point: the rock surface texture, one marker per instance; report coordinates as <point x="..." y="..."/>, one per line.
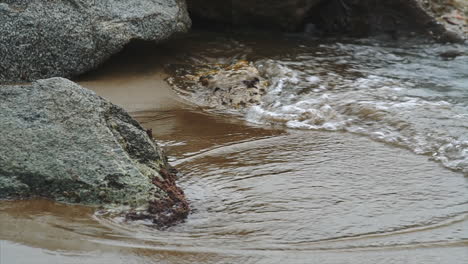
<point x="396" y="18"/>
<point x="236" y="86"/>
<point x="63" y="142"/>
<point x="43" y="38"/>
<point x="452" y="14"/>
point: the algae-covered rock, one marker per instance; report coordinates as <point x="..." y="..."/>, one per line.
<point x="63" y="142"/>
<point x="238" y="85"/>
<point x="43" y="38"/>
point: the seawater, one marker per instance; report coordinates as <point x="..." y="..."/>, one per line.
<point x="357" y="154"/>
<point x="398" y="92"/>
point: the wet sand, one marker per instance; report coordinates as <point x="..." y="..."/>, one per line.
<point x="134" y="80"/>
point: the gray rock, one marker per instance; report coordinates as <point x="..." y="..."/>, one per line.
<point x="42" y="38"/>
<point x="63" y="142"/>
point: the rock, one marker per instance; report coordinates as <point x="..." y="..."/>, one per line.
<point x="43" y="38"/>
<point x="452" y="15"/>
<point x="63" y="142"/>
<point x="451" y="54"/>
<point x="374" y="17"/>
<point x="284" y="14"/>
<point x="235" y="86"/>
<point x="444" y="20"/>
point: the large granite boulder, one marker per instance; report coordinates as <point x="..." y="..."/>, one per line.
<point x="43" y="38"/>
<point x="63" y="142"/>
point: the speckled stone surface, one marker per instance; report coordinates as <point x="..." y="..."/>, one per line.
<point x="63" y="142"/>
<point x="44" y="38"/>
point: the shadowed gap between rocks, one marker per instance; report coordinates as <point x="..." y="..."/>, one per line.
<point x="353" y="18"/>
<point x="138" y="56"/>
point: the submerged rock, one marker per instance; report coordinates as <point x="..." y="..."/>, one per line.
<point x="237" y="86"/>
<point x="63" y="142"/>
<point x="41" y="38"/>
<point x="451" y="54"/>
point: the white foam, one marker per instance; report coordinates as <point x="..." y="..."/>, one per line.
<point x="372" y="108"/>
<point x="313" y="79"/>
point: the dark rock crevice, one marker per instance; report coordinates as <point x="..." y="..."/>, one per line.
<point x="355" y="18"/>
<point x="264" y="14"/>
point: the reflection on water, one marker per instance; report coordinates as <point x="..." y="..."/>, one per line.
<point x="185" y="133"/>
<point x="259" y="195"/>
<point x="313" y="190"/>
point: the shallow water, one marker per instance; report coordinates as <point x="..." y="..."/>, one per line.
<point x="264" y="191"/>
<point x="399" y="92"/>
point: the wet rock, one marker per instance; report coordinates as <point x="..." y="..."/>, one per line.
<point x="451" y="54"/>
<point x="452" y="15"/>
<point x="63" y="142"/>
<point x="42" y="38"/>
<point x="171" y="209"/>
<point x="237" y="86"/>
<point x="394" y="18"/>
